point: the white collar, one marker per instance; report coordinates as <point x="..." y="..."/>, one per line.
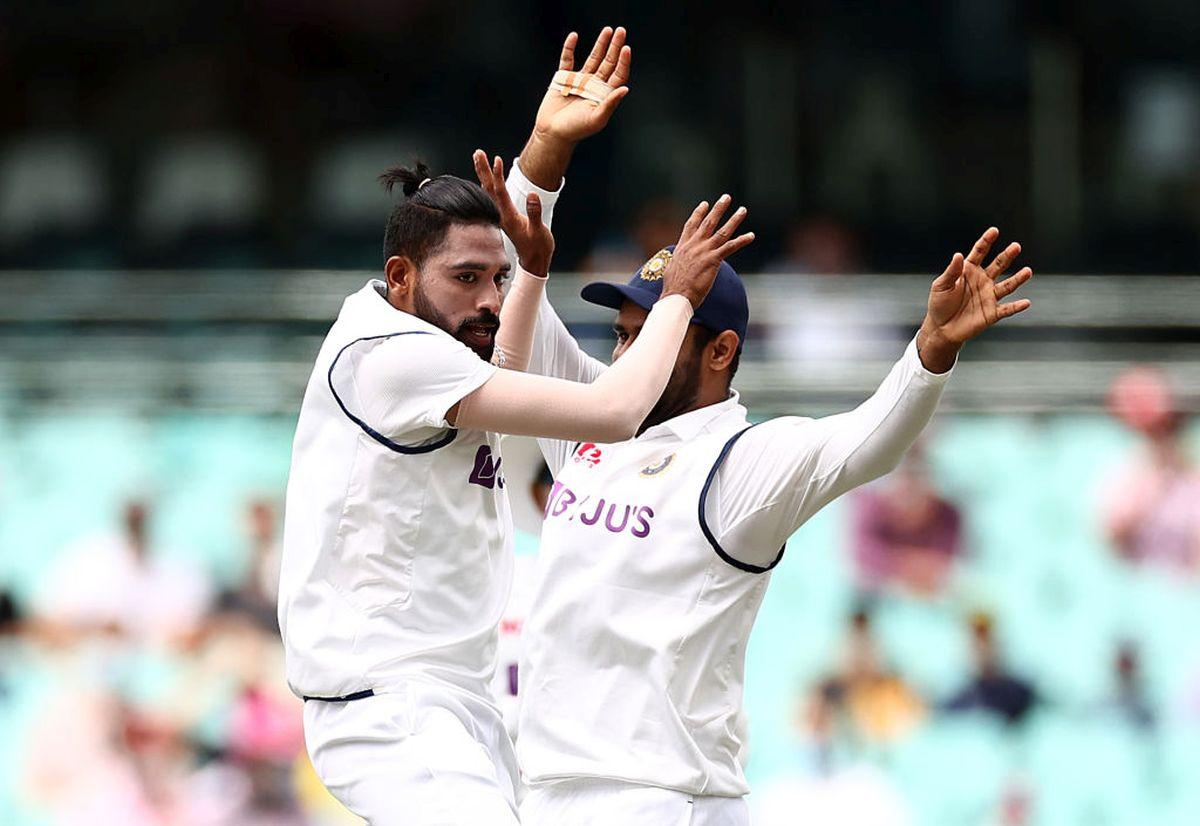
<point x="689" y="425"/>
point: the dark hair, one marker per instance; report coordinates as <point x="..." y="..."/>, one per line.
<point x="704" y="337"/>
<point x="418" y="224"/>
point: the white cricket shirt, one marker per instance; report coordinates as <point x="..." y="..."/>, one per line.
<point x="396" y="553"/>
<point x="654" y="558"/>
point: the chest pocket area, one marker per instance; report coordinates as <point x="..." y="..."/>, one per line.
<point x="373" y="558"/>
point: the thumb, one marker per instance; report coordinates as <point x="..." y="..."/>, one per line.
<point x="533" y="208"/>
<point x="953" y="270"/>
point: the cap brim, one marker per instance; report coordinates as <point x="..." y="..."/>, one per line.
<point x="614" y="295"/>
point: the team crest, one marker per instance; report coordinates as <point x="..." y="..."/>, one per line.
<point x="658" y="467"/>
<point x="653" y="269"/>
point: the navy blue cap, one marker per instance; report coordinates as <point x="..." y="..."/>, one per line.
<point x="725" y="308"/>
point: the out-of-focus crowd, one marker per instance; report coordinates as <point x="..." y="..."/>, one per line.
<point x="135" y="690"/>
<point x="857" y="724"/>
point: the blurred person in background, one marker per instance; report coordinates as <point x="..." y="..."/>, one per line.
<point x="819" y="245"/>
<point x="118" y="584"/>
<point x="992" y="687"/>
<point x="905" y="533"/>
<point x="820" y="327"/>
<point x="829" y="782"/>
<point x="506" y="683"/>
<point x="654" y="225"/>
<point x="1151" y="506"/>
<point x="1128" y="701"/>
<point x="257" y="593"/>
<point x="879" y="707"/>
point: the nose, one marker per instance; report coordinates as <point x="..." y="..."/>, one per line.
<point x="490" y="301"/>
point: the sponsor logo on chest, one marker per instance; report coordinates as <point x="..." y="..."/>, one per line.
<point x="599" y="512"/>
<point x="486" y="472"/>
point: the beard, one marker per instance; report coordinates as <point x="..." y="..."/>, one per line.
<point x="680" y="396"/>
<point x="427" y="312"/>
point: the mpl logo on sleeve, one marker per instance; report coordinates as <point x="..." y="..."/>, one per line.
<point x="486" y="472"/>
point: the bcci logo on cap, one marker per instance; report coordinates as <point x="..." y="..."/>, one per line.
<point x="653" y="269"/>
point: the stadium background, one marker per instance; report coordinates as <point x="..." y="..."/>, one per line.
<point x="187" y="191"/>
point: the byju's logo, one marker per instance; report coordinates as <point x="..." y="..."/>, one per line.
<point x="486" y="472"/>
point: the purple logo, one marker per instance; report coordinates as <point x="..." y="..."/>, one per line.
<point x="486" y="472"/>
<point x="614" y="517"/>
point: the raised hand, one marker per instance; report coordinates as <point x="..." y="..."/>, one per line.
<point x="701" y="249"/>
<point x="531" y="238"/>
<point x="573" y="117"/>
<point x="965" y="300"/>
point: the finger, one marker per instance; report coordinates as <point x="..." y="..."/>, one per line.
<point x="606" y="107"/>
<point x="499" y="191"/>
<point x="482" y="171"/>
<point x="953" y="270"/>
<point x="1009" y="285"/>
<point x="621" y="76"/>
<point x="693" y="221"/>
<point x="533" y="208"/>
<point x="980" y="250"/>
<point x="598" y="50"/>
<point x="612" y="54"/>
<point x="710" y="221"/>
<point x="730" y="247"/>
<point x="730" y="226"/>
<point x="1012" y="308"/>
<point x="1002" y="261"/>
<point x="566" y="60"/>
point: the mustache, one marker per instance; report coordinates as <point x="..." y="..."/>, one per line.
<point x="488" y="319"/>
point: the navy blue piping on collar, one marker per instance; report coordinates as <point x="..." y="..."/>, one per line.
<point x="366" y="428"/>
<point x="708" y="534"/>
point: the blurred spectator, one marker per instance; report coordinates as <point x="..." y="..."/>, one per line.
<point x="905" y="533"/>
<point x="880" y="707"/>
<point x="1150" y="507"/>
<point x="505" y="683"/>
<point x="1129" y="701"/>
<point x="820" y="245"/>
<point x="830" y="785"/>
<point x="992" y="688"/>
<point x="257" y="594"/>
<point x="11" y="629"/>
<point x="118" y="584"/>
<point x="820" y="329"/>
<point x="655" y="225"/>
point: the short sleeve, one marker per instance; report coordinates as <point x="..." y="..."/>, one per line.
<point x="406" y="382"/>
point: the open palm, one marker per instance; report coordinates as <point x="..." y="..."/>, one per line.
<point x="573" y="117"/>
<point x="965" y="299"/>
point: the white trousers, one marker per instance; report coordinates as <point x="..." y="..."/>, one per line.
<point x="598" y="802"/>
<point x="422" y="756"/>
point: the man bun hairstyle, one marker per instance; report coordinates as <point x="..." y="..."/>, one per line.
<point x="418" y="224"/>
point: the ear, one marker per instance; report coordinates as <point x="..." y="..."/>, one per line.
<point x="401" y="275"/>
<point x="724" y="348"/>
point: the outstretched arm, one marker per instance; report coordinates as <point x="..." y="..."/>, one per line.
<point x="784" y="471"/>
<point x="577" y="105"/>
<point x="614" y="406"/>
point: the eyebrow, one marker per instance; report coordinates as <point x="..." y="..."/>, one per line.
<point x="476" y="265"/>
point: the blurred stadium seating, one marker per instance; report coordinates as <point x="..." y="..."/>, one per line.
<point x="182" y="392"/>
